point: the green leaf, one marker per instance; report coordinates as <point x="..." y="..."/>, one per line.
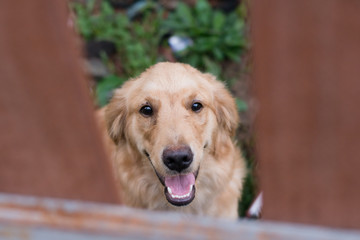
<point x="121" y="20"/>
<point x="193" y="60"/>
<point x="105" y="87"/>
<point x="211" y="66"/>
<point x="205" y="44"/>
<point x="233" y="55"/>
<point x="241" y="105"/>
<point x="202" y="6"/>
<point x="218" y="20"/>
<point x="183" y="11"/>
<point x="106" y="9"/>
<point x="203" y="13"/>
<point x="218" y="54"/>
<point x="89" y="7"/>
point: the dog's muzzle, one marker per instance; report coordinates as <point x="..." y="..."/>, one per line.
<point x="180" y="187"/>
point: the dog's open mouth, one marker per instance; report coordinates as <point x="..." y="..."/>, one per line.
<point x="180" y="189"/>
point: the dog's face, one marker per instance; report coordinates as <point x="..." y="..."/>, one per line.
<point x="172" y="114"/>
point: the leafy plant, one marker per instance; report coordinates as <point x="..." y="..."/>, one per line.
<point x="101" y="25"/>
<point x="140" y="47"/>
<point x="136" y="41"/>
<point x="216" y="37"/>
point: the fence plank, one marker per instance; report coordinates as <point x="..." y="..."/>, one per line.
<point x="307" y="56"/>
<point x="49" y="145"/>
<point x="41" y="218"/>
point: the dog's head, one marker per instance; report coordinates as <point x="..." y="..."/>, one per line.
<point x="173" y="115"/>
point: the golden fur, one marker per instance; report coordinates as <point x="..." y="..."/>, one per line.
<point x="171" y="88"/>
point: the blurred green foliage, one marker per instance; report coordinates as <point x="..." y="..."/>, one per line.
<point x="106" y="86"/>
<point x="250" y="184"/>
<point x="136" y="41"/>
<point x="241" y="105"/>
<point x="216" y="36"/>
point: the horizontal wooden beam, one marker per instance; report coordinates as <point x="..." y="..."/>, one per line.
<point x="43" y="218"/>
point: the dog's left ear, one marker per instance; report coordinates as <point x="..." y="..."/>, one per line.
<point x="225" y="107"/>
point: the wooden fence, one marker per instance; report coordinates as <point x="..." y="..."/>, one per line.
<point x="307" y="82"/>
<point x="27" y="218"/>
<point x="306" y="70"/>
<point x="48" y="143"/>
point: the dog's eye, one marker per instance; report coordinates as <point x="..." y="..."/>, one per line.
<point x="196" y="106"/>
<point x="146" y="111"/>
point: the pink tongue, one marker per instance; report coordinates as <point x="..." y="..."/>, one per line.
<point x="180" y="184"/>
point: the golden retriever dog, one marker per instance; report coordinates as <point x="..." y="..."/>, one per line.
<point x="173" y="130"/>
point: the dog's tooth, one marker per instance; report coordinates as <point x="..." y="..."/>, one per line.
<point x="180" y="196"/>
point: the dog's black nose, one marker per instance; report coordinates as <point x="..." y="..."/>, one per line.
<point x="177" y="158"/>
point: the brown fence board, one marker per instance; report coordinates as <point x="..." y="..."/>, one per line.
<point x="49" y="145"/>
<point x="307" y="81"/>
<point x="41" y="218"/>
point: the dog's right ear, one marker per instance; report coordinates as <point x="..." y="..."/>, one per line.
<point x="115" y="116"/>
